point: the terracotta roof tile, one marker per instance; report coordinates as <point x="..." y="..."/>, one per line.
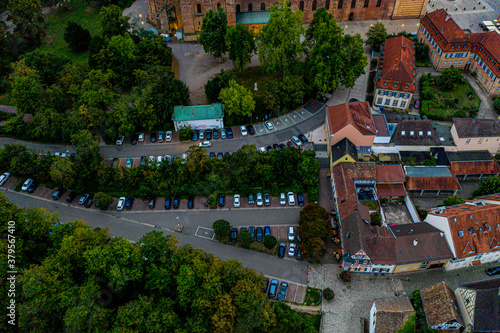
<point x="440" y="305"/>
<point x="475" y="167"/>
<point x="398" y="65"/>
<point x="476" y="128"/>
<point x="381" y="243"/>
<point x="391" y="190"/>
<point x="392" y="313"/>
<point x="389" y="173"/>
<point x="380" y="125"/>
<point x="432" y="183"/>
<point x="445" y="25"/>
<point x="356" y="113"/>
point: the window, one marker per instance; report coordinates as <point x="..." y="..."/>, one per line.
<point x="454" y="219"/>
<point x="403" y="104"/>
<point x="445" y="63"/>
<point x="420" y="133"/>
<point x="262" y="6"/>
<point x="498" y="225"/>
<point x="460" y="63"/>
<point x="366" y="3"/>
<point x="395" y="102"/>
<point x="379" y="3"/>
<point x="456" y="62"/>
<point x="379" y="100"/>
<point x="470" y="230"/>
<point x="238" y="8"/>
<point x="460" y="233"/>
<point x="452" y="46"/>
<point x="387" y="102"/>
<point x="467" y="142"/>
<point x="429" y="133"/>
<point x="407" y="85"/>
<point x="249" y="7"/>
<point x="403" y="133"/>
<point x="314" y="5"/>
<point x="327" y="4"/>
<point x="341" y="2"/>
<point x="353" y="4"/>
<point x="412" y="133"/>
<point x="218" y="5"/>
<point x="198" y="8"/>
<point x="301" y="6"/>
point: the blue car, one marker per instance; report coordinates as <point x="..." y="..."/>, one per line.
<point x="129" y="202"/>
<point x="229" y="133"/>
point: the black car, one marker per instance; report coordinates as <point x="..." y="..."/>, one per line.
<point x="353" y="100"/>
<point x="251" y="230"/>
<point x="152" y="202"/>
<point x="265" y="285"/>
<point x="267" y="230"/>
<point x="177" y="201"/>
<point x="211" y="155"/>
<point x="233" y="235"/>
<point x="168" y="203"/>
<point x="71" y="196"/>
<point x="143" y="160"/>
<point x="190" y="202"/>
<point x="83" y="198"/>
<point x="282" y="293"/>
<point x="250" y="130"/>
<point x="282" y="146"/>
<point x="133" y="139"/>
<point x="57" y="194"/>
<point x="298" y="256"/>
<point x="195" y="136"/>
<point x="300" y="199"/>
<point x="269" y="148"/>
<point x="259" y="234"/>
<point x="208" y="134"/>
<point x="129" y="202"/>
<point x="281" y="250"/>
<point x="302" y="138"/>
<point x="221" y="200"/>
<point x="229" y="133"/>
<point x="153" y="137"/>
<point x="32" y="187"/>
<point x="220" y="156"/>
<point x="273" y="288"/>
<point x="90" y="201"/>
<point x="251" y="199"/>
<point x="277" y="147"/>
<point x="215" y="134"/>
<point x="493" y="271"/>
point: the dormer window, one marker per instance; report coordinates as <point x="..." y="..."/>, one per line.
<point x="385" y="83"/>
<point x="444" y="43"/>
<point x="465" y="45"/>
<point x="458" y="47"/>
<point x="436" y="33"/>
<point x="429" y="134"/>
<point x="452" y="46"/>
<point x="481" y="48"/>
<point x="425" y="18"/>
<point x="396" y="84"/>
<point x="474" y="47"/>
<point x="403" y="133"/>
<point x="485" y="53"/>
<point x="440" y="37"/>
<point x="420" y="133"/>
<point x="412" y="133"/>
<point x="489" y="58"/>
<point x="432" y="29"/>
<point x="498" y="69"/>
<point x="406" y="85"/>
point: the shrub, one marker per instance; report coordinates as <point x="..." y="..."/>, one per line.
<point x="496" y="105"/>
<point x="376" y="219"/>
<point x="422" y="213"/>
<point x="221" y="229"/>
<point x="373" y="63"/>
<point x="328" y="294"/>
<point x="270" y="241"/>
<point x="213" y="200"/>
<point x="401" y="199"/>
<point x="102" y="200"/>
<point x="313" y="193"/>
<point x="185" y="133"/>
<point x="77" y="37"/>
<point x="428" y="93"/>
<point x="245" y="239"/>
<point x="384" y="200"/>
<point x="345" y="276"/>
<point x="369" y="99"/>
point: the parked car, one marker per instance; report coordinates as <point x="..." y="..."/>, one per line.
<point x="243" y="229"/>
<point x="282" y="292"/>
<point x="115" y="163"/>
<point x="208" y="134"/>
<point x="265" y="285"/>
<point x="83" y="198"/>
<point x="298" y="256"/>
<point x="291" y="198"/>
<point x="267" y="230"/>
<point x="4" y="177"/>
<point x="417" y="104"/>
<point x="291" y="234"/>
<point x="151" y="160"/>
<point x="120" y="140"/>
<point x="26" y="184"/>
<point x="282" y="199"/>
<point x="281" y="250"/>
<point x="223" y="133"/>
<point x="129" y="203"/>
<point x="152" y="137"/>
<point x="229" y="132"/>
<point x="211" y="155"/>
<point x="237" y="198"/>
<point x="168" y="136"/>
<point x="296" y="141"/>
<point x="195" y="136"/>
<point x="215" y="133"/>
<point x="32" y="187"/>
<point x="159" y="159"/>
<point x="129" y="163"/>
<point x="267" y="199"/>
<point x="262" y="149"/>
<point x="291" y="249"/>
<point x="160" y="137"/>
<point x="353" y="100"/>
<point x="251" y="199"/>
<point x="276" y="147"/>
<point x="493" y="271"/>
<point x="282" y="146"/>
<point x="121" y="203"/>
<point x="168" y="203"/>
<point x="201" y="134"/>
<point x="152" y="202"/>
<point x="302" y="138"/>
<point x="133" y="139"/>
<point x="71" y="196"/>
<point x="273" y="288"/>
<point x="190" y="202"/>
<point x="60" y="154"/>
<point x="250" y="129"/>
<point x="243" y="131"/>
<point x="220" y="156"/>
<point x="269" y="125"/>
<point x="57" y="194"/>
<point x="221" y="200"/>
<point x="168" y="158"/>
<point x="289" y="144"/>
<point x="251" y="230"/>
<point x="259" y="234"/>
<point x="177" y="201"/>
<point x="143" y="160"/>
<point x="300" y="199"/>
<point x="233" y="235"/>
<point x="260" y="200"/>
<point x="141" y="137"/>
<point x="89" y="202"/>
<point x="269" y="148"/>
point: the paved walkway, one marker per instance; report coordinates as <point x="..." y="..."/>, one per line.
<point x="486" y="107"/>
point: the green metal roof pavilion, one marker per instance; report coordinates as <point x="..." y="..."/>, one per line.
<point x="198" y="112"/>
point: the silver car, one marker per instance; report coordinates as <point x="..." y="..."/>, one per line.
<point x="282" y="199"/>
<point x="121" y="203"/>
<point x="3" y="178"/>
<point x="27" y="184"/>
<point x="160" y="136"/>
<point x="168" y="136"/>
<point x="223" y="133"/>
<point x="260" y="200"/>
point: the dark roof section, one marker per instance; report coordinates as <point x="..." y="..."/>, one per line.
<point x="353" y="235"/>
<point x="440" y="305"/>
<point x="342" y="148"/>
<point x="380" y="125"/>
<point x="403" y="135"/>
<point x="476" y="128"/>
<point x="419" y="156"/>
<point x="392" y="313"/>
<point x="440" y="155"/>
<point x="398" y="67"/>
<point x="487" y="307"/>
<point x="356" y="113"/>
<point x="469" y="156"/>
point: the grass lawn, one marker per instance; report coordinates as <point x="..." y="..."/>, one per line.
<point x="452" y="103"/>
<point x="57" y="21"/>
<point x="313" y="296"/>
<point x="371" y="204"/>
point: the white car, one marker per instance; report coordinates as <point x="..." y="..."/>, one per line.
<point x="168" y="158"/>
<point x="237" y="198"/>
<point x="205" y="144"/>
<point x="3" y="178"/>
<point x="151" y="160"/>
<point x="291" y="198"/>
<point x="120" y="140"/>
<point x="60" y="154"/>
<point x="269" y="125"/>
<point x="184" y="158"/>
<point x="282" y="199"/>
<point x="291" y="234"/>
<point x="27" y="184"/>
<point x="262" y="149"/>
<point x="121" y="203"/>
<point x="243" y="131"/>
<point x="159" y="159"/>
<point x="291" y="250"/>
<point x="201" y="134"/>
<point x="141" y="137"/>
<point x="296" y="141"/>
<point x="168" y="136"/>
<point x="260" y="201"/>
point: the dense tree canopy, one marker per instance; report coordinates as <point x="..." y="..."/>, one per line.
<point x="237" y="100"/>
<point x="488" y="185"/>
<point x="25" y="88"/>
<point x="213" y="32"/>
<point x="214" y="86"/>
<point x="377" y="34"/>
<point x="77" y="37"/>
<point x="113" y="22"/>
<point x="313" y="231"/>
<point x="240" y="43"/>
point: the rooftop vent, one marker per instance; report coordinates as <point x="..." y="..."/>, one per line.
<point x="442" y="234"/>
<point x="411" y="232"/>
<point x="415" y="242"/>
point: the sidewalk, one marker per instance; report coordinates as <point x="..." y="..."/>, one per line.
<point x="486" y="107"/>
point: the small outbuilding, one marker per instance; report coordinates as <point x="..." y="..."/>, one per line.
<point x="198" y="116"/>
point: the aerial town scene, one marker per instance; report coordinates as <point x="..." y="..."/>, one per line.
<point x="250" y="166"/>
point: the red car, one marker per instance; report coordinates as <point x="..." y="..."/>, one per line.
<point x="290" y="144"/>
<point x="417" y="104"/>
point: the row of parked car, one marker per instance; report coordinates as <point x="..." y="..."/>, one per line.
<point x="86" y="199"/>
<point x="213" y="134"/>
<point x="274" y="290"/>
<point x="294" y="142"/>
<point x="153" y="137"/>
<point x="152" y="160"/>
<point x="263" y="199"/>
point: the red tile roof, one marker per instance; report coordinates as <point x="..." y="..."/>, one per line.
<point x="392" y="313"/>
<point x="389" y="173"/>
<point x="398" y="65"/>
<point x="432" y="183"/>
<point x="440" y="305"/>
<point x="391" y="190"/>
<point x="475" y="167"/>
<point x="356" y="113"/>
<point x="446" y="26"/>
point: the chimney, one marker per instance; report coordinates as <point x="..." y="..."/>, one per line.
<point x="411" y="232"/>
<point x="415" y="242"/>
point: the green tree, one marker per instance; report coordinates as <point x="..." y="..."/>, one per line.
<point x="113" y="23"/>
<point x="25" y="88"/>
<point x="120" y="56"/>
<point x="154" y="52"/>
<point x="450" y="77"/>
<point x="328" y="294"/>
<point x="453" y="200"/>
<point x="28" y="19"/>
<point x="240" y="43"/>
<point x="213" y="33"/>
<point x="280" y="47"/>
<point x="77" y="37"/>
<point x="214" y="86"/>
<point x="102" y="200"/>
<point x="88" y="161"/>
<point x="270" y="241"/>
<point x="237" y="100"/>
<point x="377" y="34"/>
<point x="49" y="65"/>
<point x="430" y="161"/>
<point x="488" y="185"/>
<point x="408" y="326"/>
<point x="185" y="133"/>
<point x="314" y="228"/>
<point x="221" y="229"/>
<point x="496" y="105"/>
<point x="335" y="59"/>
<point x="244" y="239"/>
<point x="62" y="172"/>
<point x="421" y="52"/>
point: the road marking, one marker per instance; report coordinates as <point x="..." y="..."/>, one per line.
<point x="284" y="280"/>
<point x="205" y="232"/>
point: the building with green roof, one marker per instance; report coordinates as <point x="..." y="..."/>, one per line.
<point x="199" y="116"/>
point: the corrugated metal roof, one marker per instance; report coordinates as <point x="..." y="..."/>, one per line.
<point x="261" y="17"/>
<point x="198" y="112"/>
<point x="424" y="171"/>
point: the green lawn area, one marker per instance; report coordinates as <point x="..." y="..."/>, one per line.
<point x="371" y="204"/>
<point x="57" y="21"/>
<point x="448" y="104"/>
<point x="313" y="296"/>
